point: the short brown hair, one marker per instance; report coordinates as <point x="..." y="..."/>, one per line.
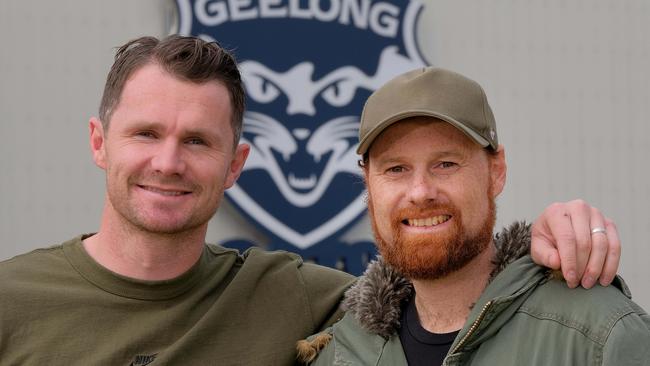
<point x="187" y="58"/>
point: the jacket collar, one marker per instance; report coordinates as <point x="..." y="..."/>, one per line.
<point x="376" y="298"/>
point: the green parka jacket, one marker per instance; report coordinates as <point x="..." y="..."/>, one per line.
<point x="524" y="317"/>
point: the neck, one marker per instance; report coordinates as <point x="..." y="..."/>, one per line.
<point x="135" y="253"/>
<point x="444" y="304"/>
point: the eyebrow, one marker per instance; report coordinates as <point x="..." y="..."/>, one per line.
<point x="437" y="155"/>
<point x="138" y="124"/>
<point x="201" y="132"/>
<point x="453" y="154"/>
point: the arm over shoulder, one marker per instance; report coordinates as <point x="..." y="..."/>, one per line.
<point x="325" y="288"/>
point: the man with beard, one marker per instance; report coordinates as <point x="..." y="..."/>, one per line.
<point x="446" y="292"/>
<point x="146" y="289"/>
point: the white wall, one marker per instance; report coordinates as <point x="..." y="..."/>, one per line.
<point x="568" y="81"/>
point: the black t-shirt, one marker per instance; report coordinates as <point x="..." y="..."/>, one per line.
<point x="421" y="346"/>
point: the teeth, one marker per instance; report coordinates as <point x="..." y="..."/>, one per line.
<point x="164" y="193"/>
<point x="429" y="221"/>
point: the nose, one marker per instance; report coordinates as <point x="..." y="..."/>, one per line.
<point x="422" y="189"/>
<point x="168" y="159"/>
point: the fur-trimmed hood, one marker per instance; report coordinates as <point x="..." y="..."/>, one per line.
<point x="376" y="298"/>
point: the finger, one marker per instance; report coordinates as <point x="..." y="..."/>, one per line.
<point x="560" y="229"/>
<point x="598" y="253"/>
<point x="543" y="249"/>
<point x="613" y="257"/>
<point x="580" y="213"/>
<point x="544" y="252"/>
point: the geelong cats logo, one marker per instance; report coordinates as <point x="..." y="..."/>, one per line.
<point x="308" y="66"/>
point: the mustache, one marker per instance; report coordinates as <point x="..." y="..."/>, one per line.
<point x="433" y="209"/>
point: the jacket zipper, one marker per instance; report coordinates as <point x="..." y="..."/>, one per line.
<point x="479" y="319"/>
<point x="472" y="329"/>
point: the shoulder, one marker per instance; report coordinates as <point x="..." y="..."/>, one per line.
<point x="285" y="270"/>
<point x="256" y="258"/>
<point x="287" y="262"/>
<point x="26" y="277"/>
<point x="595" y="313"/>
<point x="629" y="340"/>
<point x="348" y="343"/>
<point x="36" y="260"/>
<point x="304" y="288"/>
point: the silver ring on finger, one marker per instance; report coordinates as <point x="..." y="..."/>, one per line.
<point x="597" y="230"/>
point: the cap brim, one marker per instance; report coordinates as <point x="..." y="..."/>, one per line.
<point x="367" y="140"/>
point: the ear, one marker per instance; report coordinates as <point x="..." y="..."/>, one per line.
<point x="97" y="142"/>
<point x="498" y="170"/>
<point x="237" y="164"/>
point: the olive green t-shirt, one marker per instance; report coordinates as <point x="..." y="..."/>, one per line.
<point x="59" y="307"/>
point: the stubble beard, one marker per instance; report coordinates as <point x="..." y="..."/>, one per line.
<point x="428" y="257"/>
<point x="138" y="219"/>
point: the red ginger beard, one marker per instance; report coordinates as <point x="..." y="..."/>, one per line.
<point x="430" y="257"/>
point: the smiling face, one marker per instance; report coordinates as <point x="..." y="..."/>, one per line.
<point x="168" y="153"/>
<point x="431" y="196"/>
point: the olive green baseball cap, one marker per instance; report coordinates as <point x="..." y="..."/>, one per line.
<point x="431" y="92"/>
